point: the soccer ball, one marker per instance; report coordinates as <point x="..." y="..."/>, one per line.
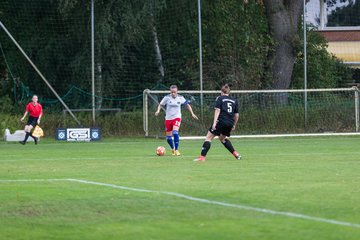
<point x="160" y="151"/>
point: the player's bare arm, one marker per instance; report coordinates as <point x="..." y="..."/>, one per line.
<point x="191" y="111"/>
<point x="39" y="119"/>
<point x="236" y="119"/>
<point x="158" y="110"/>
<point x="216" y="116"/>
<point x="25" y="114"/>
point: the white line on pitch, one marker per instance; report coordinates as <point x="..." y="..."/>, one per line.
<point x="202" y="200"/>
<point x="73" y="158"/>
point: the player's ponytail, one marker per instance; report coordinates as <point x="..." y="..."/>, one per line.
<point x="225" y="89"/>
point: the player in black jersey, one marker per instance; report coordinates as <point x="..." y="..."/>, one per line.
<point x="225" y="119"/>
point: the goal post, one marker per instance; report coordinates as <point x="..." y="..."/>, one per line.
<point x="265" y="113"/>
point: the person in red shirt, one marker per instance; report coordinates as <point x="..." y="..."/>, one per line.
<point x="34" y="109"/>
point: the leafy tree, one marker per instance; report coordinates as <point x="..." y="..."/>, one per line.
<point x="332" y="3"/>
<point x="346" y="16"/>
<point x="236" y="44"/>
<point x="251" y="44"/>
<point x="324" y="70"/>
<point x="283" y="17"/>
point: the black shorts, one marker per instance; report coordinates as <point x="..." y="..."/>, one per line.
<point x="222" y="128"/>
<point x="32" y="121"/>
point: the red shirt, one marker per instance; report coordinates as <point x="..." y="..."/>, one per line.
<point x="34" y="111"/>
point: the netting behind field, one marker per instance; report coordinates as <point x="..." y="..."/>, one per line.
<point x="333" y="13"/>
<point x="138" y="44"/>
<point x="143" y="44"/>
<point x="265" y="112"/>
<point x="58" y="50"/>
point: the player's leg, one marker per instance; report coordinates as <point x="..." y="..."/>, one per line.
<point x="169" y="139"/>
<point x="175" y="133"/>
<point x="206" y="146"/>
<point x="27" y="130"/>
<point x="207" y="143"/>
<point x="228" y="145"/>
<point x="36" y="139"/>
<point x="33" y="123"/>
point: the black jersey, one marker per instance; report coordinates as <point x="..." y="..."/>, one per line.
<point x="228" y="108"/>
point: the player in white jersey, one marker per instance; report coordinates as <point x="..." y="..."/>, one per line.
<point x="172" y="104"/>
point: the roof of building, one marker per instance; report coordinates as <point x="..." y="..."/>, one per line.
<point x="341" y="36"/>
<point x="344" y="43"/>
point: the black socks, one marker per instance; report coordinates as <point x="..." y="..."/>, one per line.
<point x="27" y="134"/>
<point x="228" y="145"/>
<point x="205" y="148"/>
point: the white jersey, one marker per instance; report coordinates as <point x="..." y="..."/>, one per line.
<point x="173" y="106"/>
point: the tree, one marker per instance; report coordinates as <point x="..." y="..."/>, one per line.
<point x="236" y="43"/>
<point x="283" y="17"/>
<point x="324" y="70"/>
<point x="332" y="3"/>
<point x="346" y="16"/>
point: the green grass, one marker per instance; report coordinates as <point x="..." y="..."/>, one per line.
<point x="319" y="177"/>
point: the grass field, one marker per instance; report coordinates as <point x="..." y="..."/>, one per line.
<point x="317" y="178"/>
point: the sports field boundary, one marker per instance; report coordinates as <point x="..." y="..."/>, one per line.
<point x="195" y="199"/>
<point x="329" y="134"/>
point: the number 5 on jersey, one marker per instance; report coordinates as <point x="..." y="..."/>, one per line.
<point x="230" y="107"/>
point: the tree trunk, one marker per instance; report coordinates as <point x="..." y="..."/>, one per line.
<point x="283" y="17"/>
<point x="99" y="86"/>
<point x="158" y="56"/>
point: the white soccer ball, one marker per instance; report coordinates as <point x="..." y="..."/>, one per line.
<point x="160" y="151"/>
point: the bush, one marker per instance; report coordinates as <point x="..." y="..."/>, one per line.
<point x="6" y="105"/>
<point x="324" y="70"/>
<point x="9" y="121"/>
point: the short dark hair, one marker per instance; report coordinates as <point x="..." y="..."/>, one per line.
<point x="225" y="89"/>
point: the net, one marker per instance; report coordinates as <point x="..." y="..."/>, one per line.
<point x="236" y="47"/>
<point x="333" y="13"/>
<point x="52" y="44"/>
<point x="339" y="23"/>
<point x="137" y="44"/>
<point x="266" y="112"/>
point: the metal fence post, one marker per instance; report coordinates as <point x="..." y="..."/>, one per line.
<point x="356" y="109"/>
<point x="145" y="112"/>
